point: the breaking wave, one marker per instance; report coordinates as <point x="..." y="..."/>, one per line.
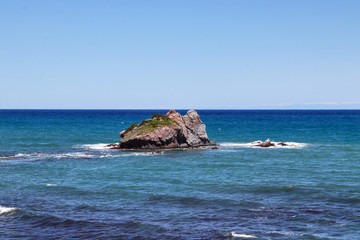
<point x="7" y="210"/>
<point x="238" y="235"/>
<point x="97" y="146"/>
<point x="255" y="145"/>
<point x="86" y="151"/>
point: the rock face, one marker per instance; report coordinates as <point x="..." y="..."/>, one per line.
<point x="166" y="131"/>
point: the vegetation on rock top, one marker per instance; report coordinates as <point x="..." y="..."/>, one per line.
<point x="147" y="126"/>
<point x="132" y="126"/>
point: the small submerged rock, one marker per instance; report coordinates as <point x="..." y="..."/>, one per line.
<point x="166" y="131"/>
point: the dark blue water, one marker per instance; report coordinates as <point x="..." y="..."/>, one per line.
<point x="59" y="182"/>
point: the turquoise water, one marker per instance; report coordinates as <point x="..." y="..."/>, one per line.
<point x="59" y="182"/>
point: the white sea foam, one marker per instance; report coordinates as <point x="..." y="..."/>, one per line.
<point x="40" y="156"/>
<point x="141" y="154"/>
<point x="71" y="155"/>
<point x="97" y="146"/>
<point x="77" y="155"/>
<point x="6" y="210"/>
<point x="129" y="154"/>
<point x="256" y="143"/>
<point x="85" y="151"/>
<point x="237" y="235"/>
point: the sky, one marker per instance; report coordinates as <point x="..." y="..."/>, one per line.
<point x="233" y="54"/>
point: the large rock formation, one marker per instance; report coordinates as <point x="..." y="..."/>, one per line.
<point x="166" y="131"/>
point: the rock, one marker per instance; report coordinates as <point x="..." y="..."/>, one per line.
<point x="166" y="131"/>
<point x="282" y="144"/>
<point x="196" y="129"/>
<point x="214" y="148"/>
<point x="112" y="145"/>
<point x="122" y="133"/>
<point x="267" y="143"/>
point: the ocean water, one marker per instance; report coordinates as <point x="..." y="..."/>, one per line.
<point x="58" y="181"/>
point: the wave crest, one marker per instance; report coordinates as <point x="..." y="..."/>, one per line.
<point x="239" y="235"/>
<point x="7" y="210"/>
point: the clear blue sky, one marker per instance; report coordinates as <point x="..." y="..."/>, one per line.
<point x="237" y="54"/>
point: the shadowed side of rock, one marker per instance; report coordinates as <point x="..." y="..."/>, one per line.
<point x="166" y="131"/>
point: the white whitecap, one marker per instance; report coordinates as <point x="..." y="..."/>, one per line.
<point x="256" y="143"/>
<point x="72" y="155"/>
<point x="5" y="210"/>
<point x="238" y="235"/>
<point x="51" y="185"/>
<point x="23" y="155"/>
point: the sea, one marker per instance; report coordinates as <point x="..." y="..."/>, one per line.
<point x="58" y="180"/>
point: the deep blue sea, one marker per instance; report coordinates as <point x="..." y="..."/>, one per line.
<point x="58" y="181"/>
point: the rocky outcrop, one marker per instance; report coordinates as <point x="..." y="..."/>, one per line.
<point x="166" y="131"/>
<point x="268" y="143"/>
